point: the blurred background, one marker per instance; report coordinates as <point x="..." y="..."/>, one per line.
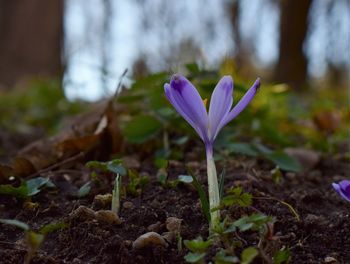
<point x="61" y="61"/>
<point x="87" y="44"/>
<point x="57" y="58"/>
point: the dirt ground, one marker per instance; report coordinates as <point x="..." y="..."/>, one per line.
<point x="321" y="236"/>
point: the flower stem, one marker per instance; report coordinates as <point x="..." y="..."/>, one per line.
<point x="213" y="186"/>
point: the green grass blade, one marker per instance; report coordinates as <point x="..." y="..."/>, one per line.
<point x="202" y="197"/>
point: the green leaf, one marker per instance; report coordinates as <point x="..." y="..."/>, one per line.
<point x="27" y="188"/>
<point x="162" y="178"/>
<point x="248" y="255"/>
<point x="198" y="244"/>
<point x="49" y="228"/>
<point x="262" y="148"/>
<point x="194" y="257"/>
<point x="237" y="197"/>
<point x="244" y="226"/>
<point x="185" y="178"/>
<point x="141" y="128"/>
<point x="34" y="240"/>
<point x="281" y="256"/>
<point x="276" y="175"/>
<point x="192" y="67"/>
<point x="161" y="163"/>
<point x="84" y="190"/>
<point x="19" y="192"/>
<point x="116" y="167"/>
<point x="16" y="223"/>
<point x="180" y="141"/>
<point x="165" y="112"/>
<point x="230" y="229"/>
<point x="94" y="164"/>
<point x="242" y="148"/>
<point x="284" y="161"/>
<point x="254" y="222"/>
<point x="222" y="258"/>
<point x="34" y="185"/>
<point x="136" y="182"/>
<point x="202" y="197"/>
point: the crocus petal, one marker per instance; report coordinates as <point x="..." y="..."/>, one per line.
<point x="169" y="96"/>
<point x="343" y="188"/>
<point x="187" y="101"/>
<point x="249" y="95"/>
<point x="220" y="105"/>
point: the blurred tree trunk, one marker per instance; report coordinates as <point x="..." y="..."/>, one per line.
<point x="292" y="63"/>
<point x="234" y="16"/>
<point x="31" y="33"/>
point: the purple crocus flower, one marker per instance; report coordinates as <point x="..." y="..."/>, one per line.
<point x="343" y="188"/>
<point x="185" y="98"/>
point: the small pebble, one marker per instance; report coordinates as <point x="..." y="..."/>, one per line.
<point x="314" y="219"/>
<point x="173" y="224"/>
<point x="127" y="243"/>
<point x="169" y="236"/>
<point x="128" y="205"/>
<point x="76" y="261"/>
<point x="82" y="211"/>
<point x="101" y="215"/>
<point x="155" y="204"/>
<point x="103" y="200"/>
<point x="108" y="217"/>
<point x="154" y="227"/>
<point x="149" y="239"/>
<point x="330" y="260"/>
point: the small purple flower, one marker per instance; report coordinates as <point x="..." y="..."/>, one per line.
<point x="185" y="98"/>
<point x="343" y="188"/>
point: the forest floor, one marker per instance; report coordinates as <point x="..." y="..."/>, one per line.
<point x="321" y="235"/>
<point x="57" y="208"/>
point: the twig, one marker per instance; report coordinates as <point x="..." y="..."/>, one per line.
<point x="294" y="212"/>
<point x="77" y="156"/>
<point x="119" y="84"/>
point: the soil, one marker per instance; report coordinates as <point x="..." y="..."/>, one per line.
<point x="321" y="236"/>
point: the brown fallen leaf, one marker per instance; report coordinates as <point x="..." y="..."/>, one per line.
<point x="95" y="131"/>
<point x="328" y="121"/>
<point x="5" y="173"/>
<point x="22" y="166"/>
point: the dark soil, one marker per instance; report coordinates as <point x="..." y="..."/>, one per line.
<point x="321" y="236"/>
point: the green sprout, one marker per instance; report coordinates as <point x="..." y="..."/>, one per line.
<point x="198" y="248"/>
<point x="33" y="239"/>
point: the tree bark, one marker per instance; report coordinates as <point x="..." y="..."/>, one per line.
<point x="31" y="33"/>
<point x="292" y="64"/>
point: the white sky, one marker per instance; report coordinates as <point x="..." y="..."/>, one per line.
<point x="204" y="21"/>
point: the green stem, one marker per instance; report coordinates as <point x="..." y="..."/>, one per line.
<point x="116" y="195"/>
<point x="213" y="186"/>
<point x="166" y="141"/>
